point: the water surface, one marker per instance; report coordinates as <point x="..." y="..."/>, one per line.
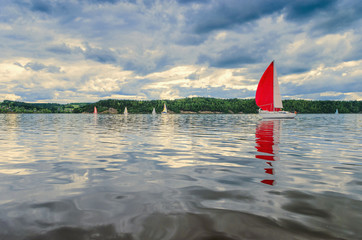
<point x="84" y="176"/>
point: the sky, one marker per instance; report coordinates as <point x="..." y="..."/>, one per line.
<point x="66" y="51"/>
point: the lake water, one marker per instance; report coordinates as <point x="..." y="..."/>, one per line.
<point x="85" y="176"/>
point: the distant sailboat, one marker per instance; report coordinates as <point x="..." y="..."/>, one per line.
<point x="125" y="111"/>
<point x="336" y="111"/>
<point x="268" y="96"/>
<point x="153" y="111"/>
<point x="164" y="111"/>
<point x="95" y="109"/>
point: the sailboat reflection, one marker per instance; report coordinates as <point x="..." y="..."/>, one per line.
<point x="267" y="136"/>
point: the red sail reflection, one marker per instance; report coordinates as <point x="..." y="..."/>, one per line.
<point x="267" y="144"/>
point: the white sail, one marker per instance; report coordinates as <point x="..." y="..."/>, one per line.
<point x="125" y="111"/>
<point x="277" y="97"/>
<point x="153" y="111"/>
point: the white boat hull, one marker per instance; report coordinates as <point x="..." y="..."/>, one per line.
<point x="277" y="115"/>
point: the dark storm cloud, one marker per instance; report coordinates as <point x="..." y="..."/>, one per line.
<point x="111" y="1"/>
<point x="325" y="14"/>
<point x="41" y="6"/>
<point x="232" y="57"/>
<point x="60" y="49"/>
<point x="100" y="55"/>
<point x="302" y="9"/>
<point x="129" y="87"/>
<point x="218" y="92"/>
<point x="104" y="1"/>
<point x="64" y="11"/>
<point x="50" y="6"/>
<point x="56" y="8"/>
<point x="35" y="66"/>
<point x="320" y="87"/>
<point x="342" y="17"/>
<point x="187" y="39"/>
<point x="143" y="67"/>
<point x="33" y="95"/>
<point x="192" y="1"/>
<point x="295" y="69"/>
<point x="226" y="14"/>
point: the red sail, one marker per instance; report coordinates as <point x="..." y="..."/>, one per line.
<point x="264" y="92"/>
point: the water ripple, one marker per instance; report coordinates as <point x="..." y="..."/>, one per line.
<point x="85" y="176"/>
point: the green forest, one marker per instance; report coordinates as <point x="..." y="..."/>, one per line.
<point x="185" y="105"/>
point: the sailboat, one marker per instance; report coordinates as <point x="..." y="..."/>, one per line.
<point x="164" y="109"/>
<point x="125" y="111"/>
<point x="336" y="111"/>
<point x="153" y="111"/>
<point x="268" y="96"/>
<point x="95" y="109"/>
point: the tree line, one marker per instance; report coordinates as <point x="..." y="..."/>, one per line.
<point x="189" y="105"/>
<point x="22" y="107"/>
<point x="185" y="105"/>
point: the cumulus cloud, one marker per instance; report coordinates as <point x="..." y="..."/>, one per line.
<point x="11" y="97"/>
<point x="81" y="50"/>
<point x="341" y="80"/>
